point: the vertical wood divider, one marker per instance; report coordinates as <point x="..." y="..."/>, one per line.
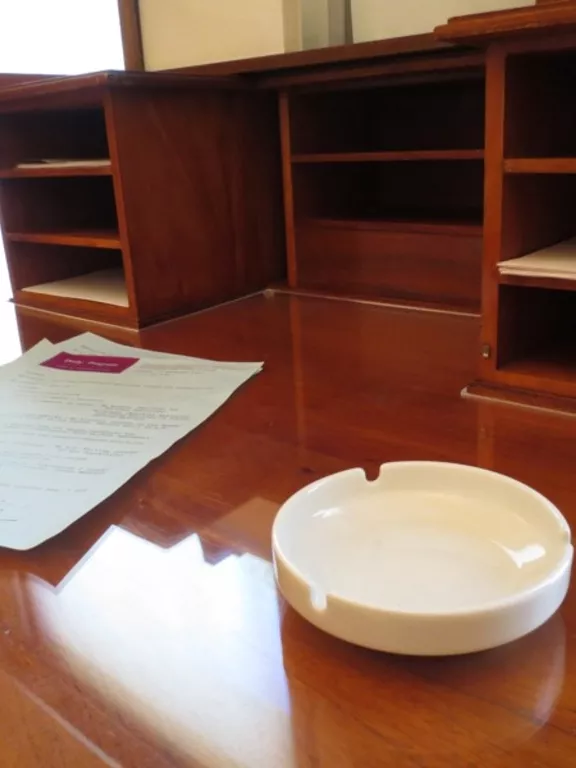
<point x="493" y="202"/>
<point x="288" y="188"/>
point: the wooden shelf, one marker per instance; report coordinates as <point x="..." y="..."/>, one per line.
<point x="557" y="363"/>
<point x="530" y="281"/>
<point x="49" y="171"/>
<point x="540" y="165"/>
<point x="105" y="286"/>
<point x="383" y="157"/>
<point x="80" y="238"/>
<point x="395" y="223"/>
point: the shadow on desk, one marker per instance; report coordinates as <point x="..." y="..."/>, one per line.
<point x="453" y="711"/>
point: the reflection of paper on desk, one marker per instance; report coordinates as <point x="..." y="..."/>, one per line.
<point x="71" y="438"/>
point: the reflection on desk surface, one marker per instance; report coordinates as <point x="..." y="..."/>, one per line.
<point x="151" y="632"/>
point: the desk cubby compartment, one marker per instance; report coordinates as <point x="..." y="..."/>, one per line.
<point x="442" y="116"/>
<point x="69" y="279"/>
<point x="539" y="211"/>
<point x="537" y="338"/>
<point x="540" y="106"/>
<point x="58" y="205"/>
<point x="176" y="176"/>
<point x="391" y="230"/>
<point x="73" y="134"/>
<point x="62" y="245"/>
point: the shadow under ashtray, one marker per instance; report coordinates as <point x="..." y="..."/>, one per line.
<point x="349" y="700"/>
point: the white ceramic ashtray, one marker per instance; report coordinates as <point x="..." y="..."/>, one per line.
<point x="430" y="559"/>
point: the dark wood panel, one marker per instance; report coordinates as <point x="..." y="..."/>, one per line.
<point x="9" y="80"/>
<point x="288" y="189"/>
<point x="537" y="347"/>
<point x="36" y="324"/>
<point x="541" y="165"/>
<point x="392" y="157"/>
<point x="84" y="237"/>
<point x="520" y="22"/>
<point x="91" y="88"/>
<point x="408" y="225"/>
<point x="335" y="55"/>
<point x="203" y="224"/>
<point x="449" y="191"/>
<point x="32" y="205"/>
<point x="445" y="116"/>
<point x="493" y="208"/>
<point x="254" y="170"/>
<point x="432" y="267"/>
<point x="405" y="70"/>
<point x="538" y="211"/>
<point x="540" y="111"/>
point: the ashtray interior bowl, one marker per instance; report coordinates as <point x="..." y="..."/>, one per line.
<point x="428" y="559"/>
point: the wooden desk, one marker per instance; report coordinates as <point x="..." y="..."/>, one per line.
<point x="151" y="634"/>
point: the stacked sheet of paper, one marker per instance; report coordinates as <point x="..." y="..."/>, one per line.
<point x="557" y="261"/>
<point x="80" y="418"/>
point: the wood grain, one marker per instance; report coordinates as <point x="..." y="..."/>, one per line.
<point x="540" y="165"/>
<point x="191" y="194"/>
<point x="380" y="262"/>
<point x="393" y="157"/>
<point x="206" y="225"/>
<point x="49" y="171"/>
<point x="151" y="635"/>
<point x="347" y="54"/>
<point x="10" y="80"/>
<point x="288" y="187"/>
<point x="385" y="71"/>
<point x="380" y="119"/>
<point x="493" y="207"/>
<point x="83" y="237"/>
<point x="526" y="21"/>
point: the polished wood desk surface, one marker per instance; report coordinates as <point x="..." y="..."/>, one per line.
<point x="150" y="634"/>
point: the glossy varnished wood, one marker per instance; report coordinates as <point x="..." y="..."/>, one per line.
<point x="392" y="261"/>
<point x="540" y="165"/>
<point x="323" y="57"/>
<point x="9" y="80"/>
<point x="394" y="157"/>
<point x="191" y="195"/>
<point x="524" y="22"/>
<point x="151" y="634"/>
<point x="206" y="226"/>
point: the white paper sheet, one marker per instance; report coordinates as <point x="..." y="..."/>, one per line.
<point x="106" y="286"/>
<point x="556" y="261"/>
<point x="70" y="438"/>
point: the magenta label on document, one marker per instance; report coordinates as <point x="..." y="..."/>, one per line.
<point x="92" y="363"/>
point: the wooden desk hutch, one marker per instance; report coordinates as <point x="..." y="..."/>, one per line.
<point x="400" y="171"/>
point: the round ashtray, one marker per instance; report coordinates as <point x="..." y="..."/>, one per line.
<point x="429" y="559"/>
